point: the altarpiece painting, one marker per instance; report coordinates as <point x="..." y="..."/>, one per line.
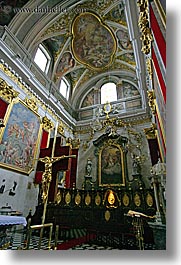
<point x="112" y="164"/>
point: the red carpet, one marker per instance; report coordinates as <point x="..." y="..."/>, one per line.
<point x="76" y="241"/>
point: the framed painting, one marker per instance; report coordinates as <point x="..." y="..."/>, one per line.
<point x="20" y="138"/>
<point x="111" y="166"/>
<point x="61" y="178"/>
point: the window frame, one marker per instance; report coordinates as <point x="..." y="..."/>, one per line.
<point x="47" y="56"/>
<point x="101" y="92"/>
<point x="63" y="79"/>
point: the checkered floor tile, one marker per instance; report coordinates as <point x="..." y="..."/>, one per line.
<point x="18" y="237"/>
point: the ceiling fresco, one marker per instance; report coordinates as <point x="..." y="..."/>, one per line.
<point x="8" y="8"/>
<point x="88" y="41"/>
<point x="93" y="43"/>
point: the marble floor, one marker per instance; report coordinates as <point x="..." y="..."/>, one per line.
<point x="17" y="239"/>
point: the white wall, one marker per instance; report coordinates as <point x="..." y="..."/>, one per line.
<point x="19" y="192"/>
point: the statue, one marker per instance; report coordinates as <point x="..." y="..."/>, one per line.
<point x="89" y="167"/>
<point x="88" y="177"/>
<point x="136" y="169"/>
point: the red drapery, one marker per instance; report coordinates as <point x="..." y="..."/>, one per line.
<point x="3" y="108"/>
<point x="158" y="35"/>
<point x="159" y="74"/>
<point x="44" y="139"/>
<point x="43" y="145"/>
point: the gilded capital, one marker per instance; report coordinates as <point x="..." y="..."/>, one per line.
<point x="151" y="132"/>
<point x="76" y="143"/>
<point x="32" y="103"/>
<point x="60" y="128"/>
<point x="47" y="124"/>
<point x="7" y="92"/>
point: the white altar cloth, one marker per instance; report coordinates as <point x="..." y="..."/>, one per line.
<point x="12" y="220"/>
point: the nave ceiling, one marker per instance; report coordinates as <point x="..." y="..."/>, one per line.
<point x="90" y="42"/>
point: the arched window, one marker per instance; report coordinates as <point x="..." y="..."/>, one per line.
<point x="64" y="88"/>
<point x="42" y="58"/>
<point x="108" y="92"/>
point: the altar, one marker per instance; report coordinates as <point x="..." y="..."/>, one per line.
<point x="7" y="222"/>
<point x="12" y="220"/>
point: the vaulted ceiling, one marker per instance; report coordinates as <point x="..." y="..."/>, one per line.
<point x="88" y="41"/>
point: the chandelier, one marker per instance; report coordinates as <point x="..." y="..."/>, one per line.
<point x="102" y="121"/>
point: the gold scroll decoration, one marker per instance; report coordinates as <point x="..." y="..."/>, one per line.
<point x="76" y="143"/>
<point x="47" y="124"/>
<point x="143" y="23"/>
<point x="31" y="103"/>
<point x="149" y="65"/>
<point x="60" y="128"/>
<point x="151" y="101"/>
<point x="150" y="132"/>
<point x="7" y="92"/>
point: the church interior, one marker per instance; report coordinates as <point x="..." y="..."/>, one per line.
<point x="82" y="125"/>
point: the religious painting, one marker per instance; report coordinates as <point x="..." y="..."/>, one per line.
<point x="66" y="63"/>
<point x="129" y="90"/>
<point x="128" y="57"/>
<point x="111" y="166"/>
<point x="123" y="40"/>
<point x="61" y="178"/>
<point x="93" y="43"/>
<point x="20" y="139"/>
<point x="89" y="100"/>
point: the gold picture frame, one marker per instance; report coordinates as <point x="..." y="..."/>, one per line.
<point x="111" y="169"/>
<point x="20" y="138"/>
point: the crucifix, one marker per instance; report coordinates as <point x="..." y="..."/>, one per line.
<point x="47" y="177"/>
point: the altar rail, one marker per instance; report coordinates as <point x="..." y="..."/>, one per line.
<point x="101" y="212"/>
<point x="82" y="207"/>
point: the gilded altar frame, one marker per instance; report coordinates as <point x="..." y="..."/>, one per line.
<point x="111" y="165"/>
<point x="20" y="138"/>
